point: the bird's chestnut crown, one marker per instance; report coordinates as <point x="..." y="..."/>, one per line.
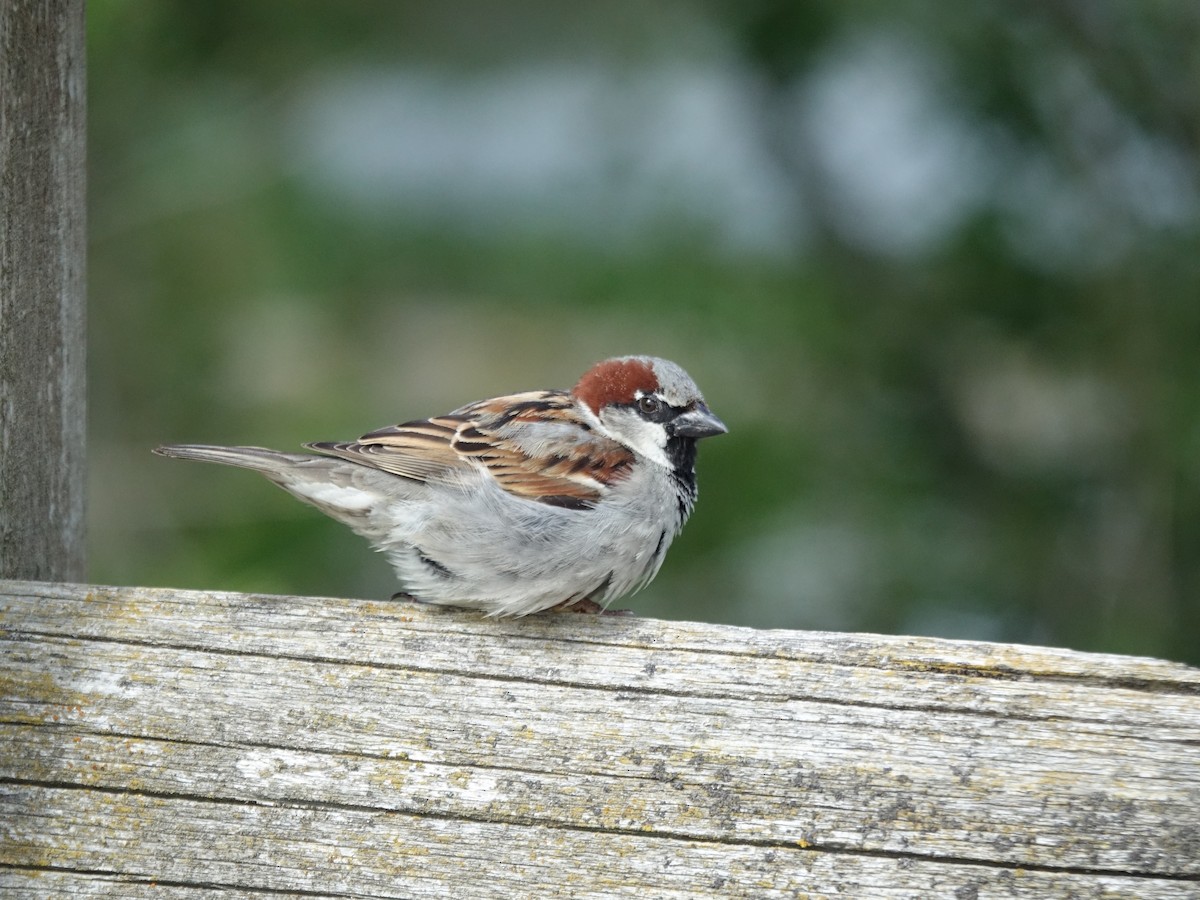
<point x="617" y="381"/>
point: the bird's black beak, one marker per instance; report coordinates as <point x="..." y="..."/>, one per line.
<point x="697" y="423"/>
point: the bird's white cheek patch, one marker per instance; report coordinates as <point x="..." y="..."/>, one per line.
<point x="341" y="497"/>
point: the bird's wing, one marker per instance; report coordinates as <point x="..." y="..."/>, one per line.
<point x="535" y="445"/>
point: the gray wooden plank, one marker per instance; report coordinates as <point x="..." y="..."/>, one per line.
<point x="629" y="754"/>
<point x="43" y="237"/>
<point x="346" y="852"/>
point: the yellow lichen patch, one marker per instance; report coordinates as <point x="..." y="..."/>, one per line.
<point x="388" y="779"/>
<point x="42" y="698"/>
<point x="124" y="605"/>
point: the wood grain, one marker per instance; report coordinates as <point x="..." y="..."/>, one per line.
<point x="42" y="288"/>
<point x="208" y="743"/>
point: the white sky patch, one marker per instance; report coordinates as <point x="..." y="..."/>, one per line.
<point x="904" y="168"/>
<point x="599" y="151"/>
<point x="603" y="153"/>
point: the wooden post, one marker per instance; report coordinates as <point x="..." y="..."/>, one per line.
<point x="42" y="252"/>
<point x="190" y="744"/>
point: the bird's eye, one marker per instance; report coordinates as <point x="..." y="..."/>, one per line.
<point x="648" y="404"/>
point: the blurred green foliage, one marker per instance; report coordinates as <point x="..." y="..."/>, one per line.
<point x="957" y="338"/>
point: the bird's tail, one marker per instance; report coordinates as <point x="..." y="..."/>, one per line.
<point x="345" y="490"/>
<point x="259" y="459"/>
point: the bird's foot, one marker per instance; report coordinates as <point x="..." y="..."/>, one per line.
<point x="590" y="607"/>
<point x="405" y="597"/>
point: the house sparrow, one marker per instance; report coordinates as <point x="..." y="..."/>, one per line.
<point x="517" y="504"/>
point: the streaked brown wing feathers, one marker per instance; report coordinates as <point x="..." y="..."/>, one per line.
<point x="529" y="443"/>
<point x="419" y="450"/>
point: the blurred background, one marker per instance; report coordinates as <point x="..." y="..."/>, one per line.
<point x="936" y="265"/>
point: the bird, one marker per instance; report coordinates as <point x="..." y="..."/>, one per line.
<point x="533" y="501"/>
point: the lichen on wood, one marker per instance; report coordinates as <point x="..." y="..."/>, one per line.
<point x="346" y="747"/>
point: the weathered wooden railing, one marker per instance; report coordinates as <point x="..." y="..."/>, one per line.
<point x="158" y="743"/>
<point x="185" y="744"/>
